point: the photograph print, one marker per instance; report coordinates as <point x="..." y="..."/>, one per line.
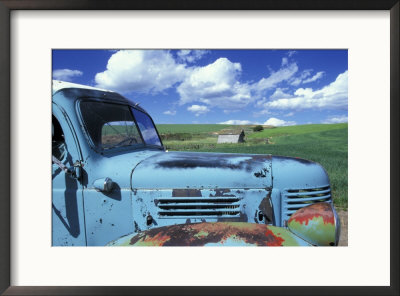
<point x="199" y="147"/>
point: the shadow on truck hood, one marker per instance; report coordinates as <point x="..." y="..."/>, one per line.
<point x="202" y="170"/>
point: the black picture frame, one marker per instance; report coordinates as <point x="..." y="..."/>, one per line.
<point x="6" y="6"/>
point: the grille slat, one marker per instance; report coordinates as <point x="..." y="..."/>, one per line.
<point x="295" y="199"/>
<point x="190" y="207"/>
<point x="198" y="213"/>
<point x="198" y="210"/>
<point x="201" y="209"/>
<point x="197" y="205"/>
<point x="308" y="200"/>
<point x="197" y="201"/>
<point x="307" y="193"/>
<point x="200" y="216"/>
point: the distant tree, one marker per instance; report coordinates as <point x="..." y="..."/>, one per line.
<point x="258" y="128"/>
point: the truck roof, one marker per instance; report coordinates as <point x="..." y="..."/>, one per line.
<point x="84" y="90"/>
<point x="57" y="85"/>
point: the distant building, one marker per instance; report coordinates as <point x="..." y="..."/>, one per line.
<point x="231" y="138"/>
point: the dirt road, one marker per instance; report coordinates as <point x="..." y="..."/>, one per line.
<point x="343" y="240"/>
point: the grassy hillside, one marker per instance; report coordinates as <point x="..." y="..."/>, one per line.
<point x="297" y="130"/>
<point x="323" y="143"/>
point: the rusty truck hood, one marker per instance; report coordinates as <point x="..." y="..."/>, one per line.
<point x="212" y="234"/>
<point x="196" y="170"/>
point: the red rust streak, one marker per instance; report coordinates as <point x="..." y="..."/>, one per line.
<point x="323" y="209"/>
<point x="272" y="239"/>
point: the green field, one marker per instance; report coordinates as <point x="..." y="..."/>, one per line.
<point x="298" y="130"/>
<point x="323" y="143"/>
<point x="190" y="128"/>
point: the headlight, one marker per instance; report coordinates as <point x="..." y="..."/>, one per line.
<point x="317" y="224"/>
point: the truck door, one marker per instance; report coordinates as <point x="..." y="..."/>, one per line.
<point x="68" y="227"/>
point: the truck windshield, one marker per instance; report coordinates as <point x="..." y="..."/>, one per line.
<point x="113" y="125"/>
<point x="146" y="126"/>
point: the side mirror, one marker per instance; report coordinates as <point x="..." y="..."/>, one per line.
<point x="74" y="172"/>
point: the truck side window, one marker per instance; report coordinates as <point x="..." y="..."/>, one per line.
<point x="110" y="125"/>
<point x="57" y="139"/>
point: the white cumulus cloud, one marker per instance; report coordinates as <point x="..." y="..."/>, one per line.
<point x="198" y="110"/>
<point x="333" y="95"/>
<point x="295" y="81"/>
<point x="218" y="84"/>
<point x="66" y="74"/>
<point x="215" y="85"/>
<point x="279" y="94"/>
<point x="284" y="73"/>
<point x="317" y="76"/>
<point x="237" y="122"/>
<point x="190" y="56"/>
<point x="278" y="122"/>
<point x="141" y="71"/>
<point x="336" y="119"/>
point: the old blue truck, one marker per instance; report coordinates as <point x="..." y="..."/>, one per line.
<point x="114" y="183"/>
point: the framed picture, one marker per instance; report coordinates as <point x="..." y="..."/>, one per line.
<point x="40" y="37"/>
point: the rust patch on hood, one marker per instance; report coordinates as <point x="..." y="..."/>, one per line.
<point x="205" y="233"/>
<point x="321" y="209"/>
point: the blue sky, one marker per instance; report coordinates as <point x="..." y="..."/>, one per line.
<point x="277" y="87"/>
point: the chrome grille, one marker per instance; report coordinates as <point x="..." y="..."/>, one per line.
<point x="295" y="199"/>
<point x="192" y="207"/>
